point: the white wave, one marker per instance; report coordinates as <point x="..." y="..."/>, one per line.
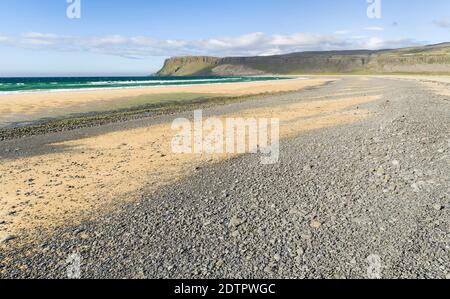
<point x="161" y="81"/>
<point x="133" y="86"/>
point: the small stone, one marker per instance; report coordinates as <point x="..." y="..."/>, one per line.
<point x="380" y="172"/>
<point x="447" y="276"/>
<point x="305" y="236"/>
<point x="307" y="167"/>
<point x="236" y="222"/>
<point x="235" y="234"/>
<point x="438" y="207"/>
<point x="78" y="231"/>
<point x="316" y="224"/>
<point x="7" y="238"/>
<point x="220" y="263"/>
<point x="277" y="257"/>
<point x="415" y="187"/>
<point x="396" y="163"/>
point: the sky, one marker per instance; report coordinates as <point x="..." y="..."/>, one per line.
<point x="134" y="37"/>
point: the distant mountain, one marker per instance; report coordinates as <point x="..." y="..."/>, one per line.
<point x="427" y="59"/>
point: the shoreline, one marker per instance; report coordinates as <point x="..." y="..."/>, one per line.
<point x="95" y="119"/>
<point x="31" y="108"/>
<point x="93" y="89"/>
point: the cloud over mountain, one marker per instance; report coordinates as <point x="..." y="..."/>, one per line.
<point x="252" y="44"/>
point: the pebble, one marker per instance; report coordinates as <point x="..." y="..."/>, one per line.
<point x="307" y="167"/>
<point x="235" y="234"/>
<point x="7" y="238"/>
<point x="236" y="222"/>
<point x="415" y="187"/>
<point x="380" y="172"/>
<point x="78" y="231"/>
<point x="438" y="207"/>
<point x="220" y="263"/>
<point x="316" y="224"/>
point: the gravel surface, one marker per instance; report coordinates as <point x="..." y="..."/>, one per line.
<point x="340" y="198"/>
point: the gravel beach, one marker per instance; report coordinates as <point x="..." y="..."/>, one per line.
<point x="342" y="195"/>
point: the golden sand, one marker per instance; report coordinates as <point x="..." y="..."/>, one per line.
<point x="90" y="175"/>
<point x="32" y="106"/>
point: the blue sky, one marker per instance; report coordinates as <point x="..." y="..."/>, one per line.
<point x="134" y="37"/>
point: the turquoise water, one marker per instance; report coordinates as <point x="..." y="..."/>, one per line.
<point x="20" y="85"/>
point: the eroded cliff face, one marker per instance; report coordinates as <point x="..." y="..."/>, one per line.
<point x="428" y="59"/>
<point x="188" y="66"/>
<point x="205" y="66"/>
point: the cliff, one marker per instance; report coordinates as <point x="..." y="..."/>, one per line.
<point x="190" y="65"/>
<point x="427" y="59"/>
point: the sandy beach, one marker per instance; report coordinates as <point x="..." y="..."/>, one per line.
<point x="76" y="178"/>
<point x="104" y="184"/>
<point x="33" y="106"/>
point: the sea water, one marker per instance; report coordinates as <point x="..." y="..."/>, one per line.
<point x="49" y="84"/>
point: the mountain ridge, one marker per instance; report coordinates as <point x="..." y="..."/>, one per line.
<point x="424" y="59"/>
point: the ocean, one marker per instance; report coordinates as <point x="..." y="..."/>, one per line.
<point x="49" y="84"/>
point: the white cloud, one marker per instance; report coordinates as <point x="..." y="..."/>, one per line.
<point x="376" y="43"/>
<point x="343" y="32"/>
<point x="374" y="28"/>
<point x="252" y="44"/>
<point x="442" y="22"/>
